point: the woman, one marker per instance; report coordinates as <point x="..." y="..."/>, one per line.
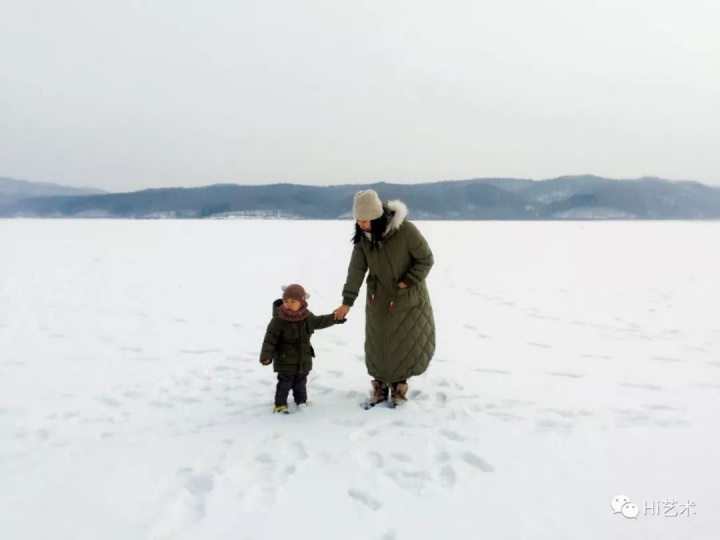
<point x="399" y="324"/>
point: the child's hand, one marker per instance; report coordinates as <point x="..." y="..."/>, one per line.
<point x="266" y="362"/>
<point x="341" y="312"/>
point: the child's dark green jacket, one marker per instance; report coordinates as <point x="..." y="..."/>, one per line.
<point x="288" y="343"/>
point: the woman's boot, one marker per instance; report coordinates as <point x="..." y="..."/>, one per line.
<point x="380" y="393"/>
<point x="399" y="392"/>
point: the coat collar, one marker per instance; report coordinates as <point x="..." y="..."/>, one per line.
<point x="399" y="212"/>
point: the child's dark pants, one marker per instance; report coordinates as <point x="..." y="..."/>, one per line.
<point x="286" y="382"/>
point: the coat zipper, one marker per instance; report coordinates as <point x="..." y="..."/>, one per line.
<point x="299" y="347"/>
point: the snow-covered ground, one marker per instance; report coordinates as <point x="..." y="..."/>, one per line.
<point x="576" y="362"/>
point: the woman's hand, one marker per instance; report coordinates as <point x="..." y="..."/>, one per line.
<point x="341" y="312"/>
<point x="266" y="362"/>
<point x="402" y="285"/>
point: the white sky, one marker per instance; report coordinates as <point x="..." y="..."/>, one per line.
<point x="124" y="95"/>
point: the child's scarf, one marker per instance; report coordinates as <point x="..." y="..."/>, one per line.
<point x="292" y="316"/>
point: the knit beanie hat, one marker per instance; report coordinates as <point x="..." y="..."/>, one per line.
<point x="367" y="206"/>
<point x="295" y="292"/>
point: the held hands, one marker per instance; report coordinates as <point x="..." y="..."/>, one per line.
<point x="266" y="362"/>
<point x="341" y="312"/>
<point x="402" y="285"/>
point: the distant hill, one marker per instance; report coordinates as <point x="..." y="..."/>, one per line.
<point x="12" y="190"/>
<point x="568" y="197"/>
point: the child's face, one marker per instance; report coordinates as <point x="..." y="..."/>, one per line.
<point x="291" y="304"/>
<point x="364" y="225"/>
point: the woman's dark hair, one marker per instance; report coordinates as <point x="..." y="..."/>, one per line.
<point x="377" y="230"/>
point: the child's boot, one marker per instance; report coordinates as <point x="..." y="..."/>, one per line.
<point x="282" y="409"/>
<point x="399" y="393"/>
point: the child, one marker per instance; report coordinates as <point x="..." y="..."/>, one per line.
<point x="287" y="345"/>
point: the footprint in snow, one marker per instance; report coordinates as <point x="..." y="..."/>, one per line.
<point x="477" y="462"/>
<point x="365" y="498"/>
<point x="362" y="434"/>
<point x="540" y="345"/>
<point x="666" y="359"/>
<point x="643" y="386"/>
<point x="412" y="480"/>
<point x="564" y="374"/>
<point x="493" y="371"/>
<point x="448" y="477"/>
<point x="376" y="460"/>
<point x="452" y="435"/>
<point x="298" y="448"/>
<point x="184" y="503"/>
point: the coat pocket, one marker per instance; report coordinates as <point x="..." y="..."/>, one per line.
<point x="406" y="298"/>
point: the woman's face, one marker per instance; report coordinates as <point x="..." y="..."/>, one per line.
<point x="364" y="225"/>
<point x="292" y="305"/>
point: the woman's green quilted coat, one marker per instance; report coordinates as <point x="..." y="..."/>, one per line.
<point x="399" y="323"/>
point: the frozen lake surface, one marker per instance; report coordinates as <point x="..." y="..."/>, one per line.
<point x="576" y="362"/>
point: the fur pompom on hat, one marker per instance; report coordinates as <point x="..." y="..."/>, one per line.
<point x="295" y="292"/>
<point x="367" y="206"/>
